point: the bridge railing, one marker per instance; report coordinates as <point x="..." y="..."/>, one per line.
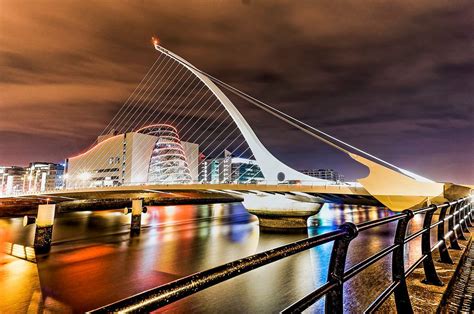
<point x="459" y="218"/>
<point x="340" y="185"/>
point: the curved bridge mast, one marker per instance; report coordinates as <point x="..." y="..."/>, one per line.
<point x="272" y="168"/>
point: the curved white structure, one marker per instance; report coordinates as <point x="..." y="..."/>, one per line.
<point x="272" y="168"/>
<point x="404" y="189"/>
<point x="168" y="161"/>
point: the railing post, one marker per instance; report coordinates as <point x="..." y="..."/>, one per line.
<point x="469" y="202"/>
<point x="469" y="211"/>
<point x="443" y="249"/>
<point x="467" y="215"/>
<point x="463" y="217"/>
<point x="459" y="230"/>
<point x="402" y="299"/>
<point x="453" y="237"/>
<point x="431" y="277"/>
<point x="337" y="263"/>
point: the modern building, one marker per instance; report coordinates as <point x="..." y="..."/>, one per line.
<point x="230" y="169"/>
<point x="37" y="177"/>
<point x="245" y="170"/>
<point x="168" y="163"/>
<point x="12" y="179"/>
<point x="191" y="151"/>
<point x="150" y="154"/>
<point x="326" y="174"/>
<point x="44" y="176"/>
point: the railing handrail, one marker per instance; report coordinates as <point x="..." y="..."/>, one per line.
<point x="185" y="286"/>
<point x="226" y="271"/>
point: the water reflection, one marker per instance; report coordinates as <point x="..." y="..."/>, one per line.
<point x="94" y="261"/>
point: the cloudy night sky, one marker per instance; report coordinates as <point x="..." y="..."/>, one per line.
<point x="394" y="78"/>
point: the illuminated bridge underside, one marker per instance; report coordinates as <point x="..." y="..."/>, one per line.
<point x="330" y="193"/>
<point x="305" y="193"/>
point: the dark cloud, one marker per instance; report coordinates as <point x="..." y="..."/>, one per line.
<point x="393" y="78"/>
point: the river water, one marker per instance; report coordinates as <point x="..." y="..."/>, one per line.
<point x="94" y="260"/>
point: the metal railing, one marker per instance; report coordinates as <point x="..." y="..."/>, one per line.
<point x="263" y="183"/>
<point x="459" y="219"/>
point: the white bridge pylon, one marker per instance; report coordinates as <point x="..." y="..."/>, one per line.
<point x="272" y="168"/>
<point x="395" y="187"/>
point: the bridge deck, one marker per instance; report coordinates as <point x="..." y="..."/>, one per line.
<point x="323" y="194"/>
<point x="281" y="188"/>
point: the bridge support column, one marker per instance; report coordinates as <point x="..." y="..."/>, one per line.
<point x="44" y="227"/>
<point x="136" y="211"/>
<point x="276" y="212"/>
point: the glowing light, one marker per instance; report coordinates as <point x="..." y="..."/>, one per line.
<point x="96" y="146"/>
<point x="158" y="125"/>
<point x="155" y="40"/>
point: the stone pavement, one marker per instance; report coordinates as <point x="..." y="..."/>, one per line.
<point x="460" y="298"/>
<point x="434" y="299"/>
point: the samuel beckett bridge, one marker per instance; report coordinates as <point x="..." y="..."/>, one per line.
<point x="179" y="133"/>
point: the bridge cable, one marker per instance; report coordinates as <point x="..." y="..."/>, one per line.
<point x="283" y="116"/>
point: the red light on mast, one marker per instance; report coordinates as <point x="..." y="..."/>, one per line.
<point x="155" y="40"/>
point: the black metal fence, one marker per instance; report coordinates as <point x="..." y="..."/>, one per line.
<point x="459" y="218"/>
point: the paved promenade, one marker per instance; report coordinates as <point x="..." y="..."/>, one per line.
<point x="460" y="299"/>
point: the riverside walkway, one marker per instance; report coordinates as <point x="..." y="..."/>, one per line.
<point x="460" y="298"/>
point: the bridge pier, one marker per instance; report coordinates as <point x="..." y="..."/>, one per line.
<point x="136" y="211"/>
<point x="44" y="227"/>
<point x="284" y="219"/>
<point x="278" y="212"/>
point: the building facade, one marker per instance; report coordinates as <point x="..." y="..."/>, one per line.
<point x="229" y="169"/>
<point x="12" y="179"/>
<point x="326" y="174"/>
<point x="168" y="163"/>
<point x="44" y="176"/>
<point x="134" y="158"/>
<point x="245" y="170"/>
<point x="37" y="177"/>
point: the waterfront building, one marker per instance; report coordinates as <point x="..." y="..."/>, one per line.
<point x="244" y="170"/>
<point x="326" y="174"/>
<point x="44" y="176"/>
<point x="37" y="177"/>
<point x="12" y="179"/>
<point x="230" y="169"/>
<point x="151" y="154"/>
<point x="168" y="163"/>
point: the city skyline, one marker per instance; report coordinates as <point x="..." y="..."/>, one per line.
<point x="236" y="156"/>
<point x="340" y="70"/>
